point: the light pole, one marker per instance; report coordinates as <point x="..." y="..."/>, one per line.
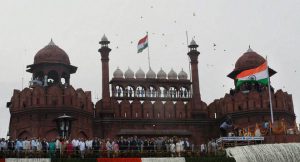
<point x="64" y="123"/>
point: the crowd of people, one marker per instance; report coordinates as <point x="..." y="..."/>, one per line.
<point x="118" y="147"/>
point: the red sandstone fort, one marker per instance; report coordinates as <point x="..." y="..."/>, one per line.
<point x="139" y="103"/>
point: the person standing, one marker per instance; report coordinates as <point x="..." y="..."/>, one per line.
<point x="172" y="148"/>
<point x="96" y="147"/>
<point x="225" y="126"/>
<point x="52" y="148"/>
<point x="69" y="149"/>
<point x="82" y="147"/>
<point x="108" y="147"/>
<point x="33" y="144"/>
<point x="58" y="146"/>
<point x="178" y="147"/>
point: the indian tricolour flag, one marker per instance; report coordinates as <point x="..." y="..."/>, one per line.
<point x="258" y="74"/>
<point x="142" y="44"/>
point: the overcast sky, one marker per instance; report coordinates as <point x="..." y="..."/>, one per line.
<point x="271" y="27"/>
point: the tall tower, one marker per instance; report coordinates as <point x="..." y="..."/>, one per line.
<point x="104" y="51"/>
<point x="38" y="110"/>
<point x="193" y="54"/>
<point x="51" y="67"/>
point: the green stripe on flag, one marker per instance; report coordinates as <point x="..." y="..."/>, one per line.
<point x="142" y="48"/>
<point x="262" y="81"/>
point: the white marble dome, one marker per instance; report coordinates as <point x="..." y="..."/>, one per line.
<point x="182" y="75"/>
<point x="151" y="74"/>
<point x="129" y="73"/>
<point x="172" y="74"/>
<point x="118" y="73"/>
<point x="140" y="74"/>
<point x="161" y="74"/>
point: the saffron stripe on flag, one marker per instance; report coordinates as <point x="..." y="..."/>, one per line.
<point x="252" y="71"/>
<point x="143" y="40"/>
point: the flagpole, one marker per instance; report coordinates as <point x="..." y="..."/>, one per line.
<point x="148" y="52"/>
<point x="187" y="45"/>
<point x="270" y="97"/>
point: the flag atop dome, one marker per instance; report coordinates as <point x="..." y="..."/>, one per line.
<point x="258" y="74"/>
<point x="142" y="44"/>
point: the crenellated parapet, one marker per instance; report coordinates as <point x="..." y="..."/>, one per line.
<point x="249" y="104"/>
<point x="54" y="97"/>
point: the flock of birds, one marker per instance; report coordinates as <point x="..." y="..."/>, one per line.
<point x="214" y="45"/>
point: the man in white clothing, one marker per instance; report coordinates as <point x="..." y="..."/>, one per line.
<point x="33" y="144"/>
<point x="82" y="147"/>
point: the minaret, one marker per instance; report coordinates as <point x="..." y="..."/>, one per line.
<point x="104" y="51"/>
<point x="193" y="54"/>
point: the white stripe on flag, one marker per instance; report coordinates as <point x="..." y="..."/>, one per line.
<point x="258" y="76"/>
<point x="177" y="159"/>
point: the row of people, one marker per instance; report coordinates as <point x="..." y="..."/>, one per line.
<point x="174" y="146"/>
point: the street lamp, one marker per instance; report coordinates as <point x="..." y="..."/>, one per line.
<point x="64" y="123"/>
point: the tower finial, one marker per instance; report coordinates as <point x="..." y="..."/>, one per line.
<point x="193" y="45"/>
<point x="249" y="49"/>
<point x="51" y="43"/>
<point x="104" y="41"/>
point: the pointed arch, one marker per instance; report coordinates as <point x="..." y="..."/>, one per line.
<point x="82" y="134"/>
<point x="116" y="108"/>
<point x="136" y="109"/>
<point x="140" y="91"/>
<point x="169" y="110"/>
<point x="180" y="110"/>
<point x="53" y="77"/>
<point x="125" y="109"/>
<point x="158" y="110"/>
<point x="147" y="110"/>
<point x="51" y="133"/>
<point x="24" y="134"/>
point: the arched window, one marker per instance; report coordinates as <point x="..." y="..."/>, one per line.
<point x="53" y="77"/>
<point x="183" y="93"/>
<point x="119" y="91"/>
<point x="140" y="91"/>
<point x="161" y="92"/>
<point x="152" y="92"/>
<point x="129" y="91"/>
<point x="172" y="92"/>
<point x="65" y="79"/>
